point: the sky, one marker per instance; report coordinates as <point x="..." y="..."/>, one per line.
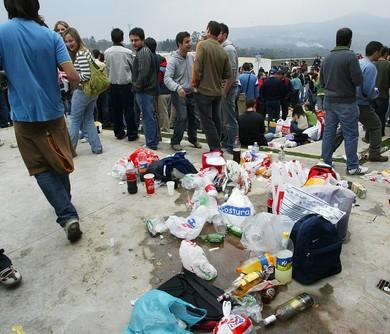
<point x="163" y="19"/>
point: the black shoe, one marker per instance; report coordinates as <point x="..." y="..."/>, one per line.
<point x="132" y="138"/>
<point x="72" y="230"/>
<point x="378" y="158"/>
<point x="121" y="137"/>
<point x="9" y="276"/>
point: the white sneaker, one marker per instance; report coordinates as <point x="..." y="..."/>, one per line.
<point x="357" y="171"/>
<point x="83" y="140"/>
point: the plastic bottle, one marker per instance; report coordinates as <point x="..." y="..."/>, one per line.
<point x="131" y="177"/>
<point x="142" y="165"/>
<point x="255" y="149"/>
<point x="291" y="308"/>
<point x="282" y="154"/>
<point x="213" y="238"/>
<point x="237" y="150"/>
<point x="256" y="264"/>
<point x="283" y="267"/>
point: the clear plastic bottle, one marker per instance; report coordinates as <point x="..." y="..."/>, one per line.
<point x="291" y="308"/>
<point x="283" y="268"/>
<point x="255" y="148"/>
<point x="282" y="154"/>
<point x="237" y="150"/>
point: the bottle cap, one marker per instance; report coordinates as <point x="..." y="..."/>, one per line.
<point x="269" y="320"/>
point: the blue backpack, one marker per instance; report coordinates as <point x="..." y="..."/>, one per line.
<point x="317" y="249"/>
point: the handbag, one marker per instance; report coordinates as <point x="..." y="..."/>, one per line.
<point x="241" y="103"/>
<point x="98" y="83"/>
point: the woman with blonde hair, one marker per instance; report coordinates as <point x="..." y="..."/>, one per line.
<point x="60" y="27"/>
<point x="82" y="105"/>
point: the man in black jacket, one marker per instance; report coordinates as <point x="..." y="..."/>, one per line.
<point x="273" y="93"/>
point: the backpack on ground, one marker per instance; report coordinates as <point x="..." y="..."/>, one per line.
<point x="317" y="249"/>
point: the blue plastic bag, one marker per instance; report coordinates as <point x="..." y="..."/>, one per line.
<point x="157" y="312"/>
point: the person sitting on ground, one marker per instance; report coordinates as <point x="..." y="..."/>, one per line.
<point x="251" y="126"/>
<point x="310" y="114"/>
<point x="299" y="120"/>
<point x="9" y="275"/>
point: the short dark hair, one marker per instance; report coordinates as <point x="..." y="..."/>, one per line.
<point x="96" y="53"/>
<point x="138" y="32"/>
<point x="298" y="110"/>
<point x="23" y="9"/>
<point x="214" y="27"/>
<point x="250" y="103"/>
<point x="343" y="37"/>
<point x="151" y="44"/>
<point x="117" y="36"/>
<point x="180" y="37"/>
<point x="224" y="29"/>
<point x="246" y="67"/>
<point x="385" y="51"/>
<point x="373" y="47"/>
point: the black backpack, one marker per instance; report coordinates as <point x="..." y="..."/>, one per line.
<point x="317" y="249"/>
<point x="198" y="292"/>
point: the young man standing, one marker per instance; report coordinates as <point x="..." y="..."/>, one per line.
<point x="145" y="86"/>
<point x="340" y="75"/>
<point x="367" y="92"/>
<point x="211" y="67"/>
<point x="119" y="61"/>
<point x="230" y="91"/>
<point x="36" y="105"/>
<point x="178" y="76"/>
<point x="273" y="93"/>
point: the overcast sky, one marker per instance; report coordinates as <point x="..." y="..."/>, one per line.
<point x="163" y="19"/>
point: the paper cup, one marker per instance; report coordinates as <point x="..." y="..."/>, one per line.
<point x="171" y="188"/>
<point x="149" y="183"/>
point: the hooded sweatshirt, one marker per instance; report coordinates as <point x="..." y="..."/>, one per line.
<point x="178" y="73"/>
<point x="233" y="59"/>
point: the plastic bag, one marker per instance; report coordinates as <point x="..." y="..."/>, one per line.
<point x="156" y="226"/>
<point x="238" y="175"/>
<point x="233" y="323"/>
<point x="157" y="312"/>
<point x="194" y="260"/>
<point x="297" y="203"/>
<point x="263" y="232"/>
<point x="249" y="306"/>
<point x="150" y="156"/>
<point x="190" y="228"/>
<point x="236" y="209"/>
<point x="119" y="169"/>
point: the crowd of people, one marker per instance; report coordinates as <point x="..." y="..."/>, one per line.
<point x="205" y="91"/>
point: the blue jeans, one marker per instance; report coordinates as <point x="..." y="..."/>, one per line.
<point x="56" y="188"/>
<point x="229" y="118"/>
<point x="185" y="119"/>
<point x="347" y="114"/>
<point x="81" y="118"/>
<point x="145" y="103"/>
<point x="273" y="110"/>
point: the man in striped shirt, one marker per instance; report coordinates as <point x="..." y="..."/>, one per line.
<point x="145" y="86"/>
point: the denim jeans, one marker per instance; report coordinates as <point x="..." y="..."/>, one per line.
<point x="56" y="188"/>
<point x="122" y="101"/>
<point x="186" y="118"/>
<point x="273" y="110"/>
<point x="210" y="117"/>
<point x="81" y="118"/>
<point x="347" y="114"/>
<point x="229" y="118"/>
<point x="145" y="103"/>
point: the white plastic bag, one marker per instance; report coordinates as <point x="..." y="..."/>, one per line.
<point x="264" y="232"/>
<point x="190" y="228"/>
<point x="233" y="323"/>
<point x="236" y="209"/>
<point x="194" y="260"/>
<point x="119" y="169"/>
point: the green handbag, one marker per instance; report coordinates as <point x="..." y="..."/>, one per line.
<point x="98" y="82"/>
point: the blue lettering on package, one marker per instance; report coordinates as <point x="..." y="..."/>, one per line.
<point x="191" y="223"/>
<point x="235" y="211"/>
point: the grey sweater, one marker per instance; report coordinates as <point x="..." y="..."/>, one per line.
<point x="340" y="75"/>
<point x="178" y="73"/>
<point x="233" y="59"/>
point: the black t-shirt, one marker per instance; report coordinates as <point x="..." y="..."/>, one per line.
<point x="251" y="129"/>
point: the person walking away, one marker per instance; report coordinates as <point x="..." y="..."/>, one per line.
<point x="248" y="83"/>
<point x="40" y="124"/>
<point x="383" y="83"/>
<point x="288" y="90"/>
<point x="145" y="86"/>
<point x="366" y="93"/>
<point x="211" y="67"/>
<point x="119" y="60"/>
<point x="251" y="126"/>
<point x="83" y="106"/>
<point x="297" y="86"/>
<point x="273" y="92"/>
<point x="340" y="75"/>
<point x="177" y="78"/>
<point x="230" y="91"/>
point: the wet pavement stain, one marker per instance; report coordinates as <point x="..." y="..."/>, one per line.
<point x="376" y="210"/>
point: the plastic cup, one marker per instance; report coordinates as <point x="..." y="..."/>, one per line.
<point x="171" y="188"/>
<point x="149" y="183"/>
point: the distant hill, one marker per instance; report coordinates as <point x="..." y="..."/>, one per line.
<point x="317" y="36"/>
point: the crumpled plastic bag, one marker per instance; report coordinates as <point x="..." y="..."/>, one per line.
<point x="119" y="169"/>
<point x="238" y="175"/>
<point x="263" y="232"/>
<point x="236" y="209"/>
<point x="233" y="323"/>
<point x="249" y="306"/>
<point x="194" y="260"/>
<point x="190" y="228"/>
